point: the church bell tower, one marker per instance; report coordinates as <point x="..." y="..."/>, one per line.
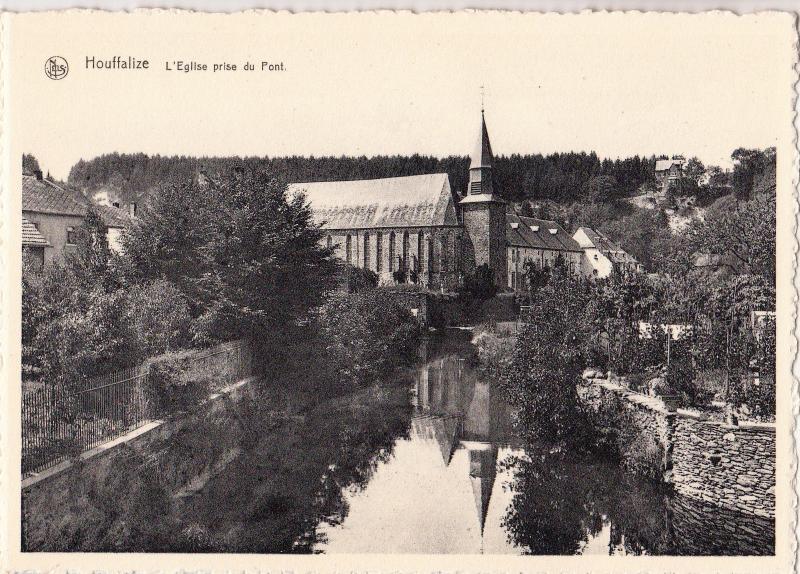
<point x="483" y="213"/>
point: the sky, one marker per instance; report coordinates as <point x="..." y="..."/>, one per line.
<point x="382" y="83"/>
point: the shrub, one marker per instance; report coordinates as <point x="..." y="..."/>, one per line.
<point x="359" y="279"/>
<point x="159" y="317"/>
<point x="480" y="283"/>
<point x="365" y="336"/>
<point x="174" y="385"/>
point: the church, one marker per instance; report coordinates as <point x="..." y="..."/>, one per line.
<point x="418" y="229"/>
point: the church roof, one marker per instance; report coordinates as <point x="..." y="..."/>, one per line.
<point x="410" y="201"/>
<point x="533" y="233"/>
<point x="482" y="153"/>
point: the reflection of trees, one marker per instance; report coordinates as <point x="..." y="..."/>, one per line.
<point x="273" y="497"/>
<point x="560" y="502"/>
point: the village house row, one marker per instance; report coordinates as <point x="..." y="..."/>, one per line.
<point x="412" y="228"/>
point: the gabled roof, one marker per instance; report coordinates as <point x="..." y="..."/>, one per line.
<point x="112" y="216"/>
<point x="520" y="233"/>
<point x="43" y="196"/>
<point x="31" y="235"/>
<point x="599" y="240"/>
<point x="665" y="164"/>
<point x="607" y="247"/>
<point x="410" y="201"/>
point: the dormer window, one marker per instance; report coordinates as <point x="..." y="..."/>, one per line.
<point x="553" y="231"/>
<point x="534" y="228"/>
<point x="514" y="225"/>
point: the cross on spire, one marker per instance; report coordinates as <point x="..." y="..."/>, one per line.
<point x="482" y="95"/>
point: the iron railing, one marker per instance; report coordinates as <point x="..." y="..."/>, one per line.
<point x="59" y="422"/>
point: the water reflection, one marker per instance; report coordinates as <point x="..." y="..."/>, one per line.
<point x="461" y="483"/>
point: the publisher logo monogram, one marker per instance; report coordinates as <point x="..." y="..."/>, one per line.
<point x="56" y="68"/>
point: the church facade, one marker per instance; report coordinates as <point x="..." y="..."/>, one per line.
<point x="416" y="228"/>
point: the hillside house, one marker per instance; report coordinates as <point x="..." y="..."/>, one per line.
<point x="669" y="171"/>
<point x="601" y="256"/>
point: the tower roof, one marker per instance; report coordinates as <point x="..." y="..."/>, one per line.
<point x="482" y="153"/>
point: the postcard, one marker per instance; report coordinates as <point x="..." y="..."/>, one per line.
<point x="474" y="291"/>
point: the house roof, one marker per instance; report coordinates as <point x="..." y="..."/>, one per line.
<point x="31" y="235"/>
<point x="410" y="201"/>
<point x="43" y="196"/>
<point x="665" y="164"/>
<point x="607" y="247"/>
<point x="520" y="233"/>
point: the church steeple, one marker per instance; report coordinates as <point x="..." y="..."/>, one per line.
<point x="480" y="165"/>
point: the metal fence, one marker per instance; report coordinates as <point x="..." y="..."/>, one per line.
<point x="59" y="423"/>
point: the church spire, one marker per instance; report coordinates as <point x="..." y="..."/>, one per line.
<point x="480" y="165"/>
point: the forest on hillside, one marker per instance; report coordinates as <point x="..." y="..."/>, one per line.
<point x="561" y="177"/>
<point x="572" y="188"/>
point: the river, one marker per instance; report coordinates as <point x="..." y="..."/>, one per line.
<point x="431" y="465"/>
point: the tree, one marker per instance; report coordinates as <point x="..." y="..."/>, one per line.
<point x="746" y="231"/>
<point x="749" y="165"/>
<point x="30" y="164"/>
<point x="541" y="383"/>
<point x="601" y="189"/>
<point x="693" y="170"/>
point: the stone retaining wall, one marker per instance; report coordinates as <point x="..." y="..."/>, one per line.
<point x="709" y="460"/>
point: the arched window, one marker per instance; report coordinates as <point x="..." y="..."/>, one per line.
<point x="451" y="250"/>
<point x="420" y="251"/>
<point x="379" y="252"/>
<point x="367" y="261"/>
<point x="391" y="251"/>
<point x="404" y="263"/>
<point x="348" y="249"/>
<point x="429" y="242"/>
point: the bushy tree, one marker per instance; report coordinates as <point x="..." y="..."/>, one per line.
<point x="365" y="336"/>
<point x="542" y="381"/>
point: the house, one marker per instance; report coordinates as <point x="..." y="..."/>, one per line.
<point x="55" y="212"/>
<point x="416" y="228"/>
<point x="33" y="244"/>
<point x="669" y="171"/>
<point x="601" y="256"/>
<point x="541" y="242"/>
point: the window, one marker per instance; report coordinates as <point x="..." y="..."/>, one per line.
<point x="443" y="254"/>
<point x="420" y="250"/>
<point x="513" y="256"/>
<point x="379" y="252"/>
<point x="71" y="236"/>
<point x="348" y="249"/>
<point x="367" y="262"/>
<point x="133" y="209"/>
<point x="430" y="254"/>
<point x="513" y="279"/>
<point x="329" y="242"/>
<point x="404" y="262"/>
<point x="391" y="251"/>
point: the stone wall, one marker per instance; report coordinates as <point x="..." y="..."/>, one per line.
<point x="723" y="476"/>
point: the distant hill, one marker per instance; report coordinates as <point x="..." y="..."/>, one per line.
<point x="559" y="177"/>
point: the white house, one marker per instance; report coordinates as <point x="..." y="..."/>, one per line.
<point x="601" y="255"/>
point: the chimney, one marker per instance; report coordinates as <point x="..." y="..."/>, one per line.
<point x="38" y="174"/>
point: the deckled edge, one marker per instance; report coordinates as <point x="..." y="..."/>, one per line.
<point x="795" y="398"/>
<point x="4" y="190"/>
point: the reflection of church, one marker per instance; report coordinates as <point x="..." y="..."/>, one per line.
<point x="457" y="410"/>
